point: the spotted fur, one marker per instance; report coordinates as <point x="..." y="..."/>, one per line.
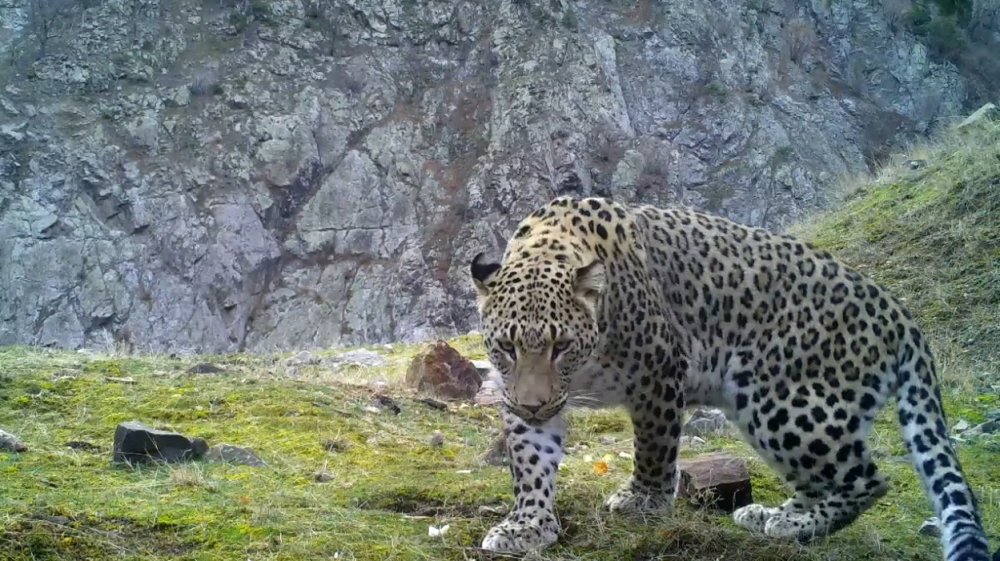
<point x="600" y="304"/>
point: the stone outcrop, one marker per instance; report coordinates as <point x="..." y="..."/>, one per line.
<point x="211" y="177"/>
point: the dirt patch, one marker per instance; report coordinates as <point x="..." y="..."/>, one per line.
<point x="417" y="503"/>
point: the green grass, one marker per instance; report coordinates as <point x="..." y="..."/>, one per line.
<point x="930" y="235"/>
<point x="389" y="485"/>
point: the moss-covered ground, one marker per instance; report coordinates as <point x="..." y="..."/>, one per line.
<point x="388" y="484"/>
<point x="929" y="234"/>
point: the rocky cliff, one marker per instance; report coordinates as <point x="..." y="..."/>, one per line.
<point x="232" y="174"/>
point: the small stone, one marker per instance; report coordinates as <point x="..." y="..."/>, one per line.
<point x="441" y="370"/>
<point x="433" y="403"/>
<point x="322" y="476"/>
<point x="204" y="368"/>
<point x="492" y="510"/>
<point x="336" y="445"/>
<point x="986" y="113"/>
<point x="496" y="455"/>
<point x="303" y="358"/>
<point x="961" y="425"/>
<point x="11" y="443"/>
<point x="989" y="427"/>
<point x="491" y="390"/>
<point x="692" y="441"/>
<point x="388" y="403"/>
<point x="356" y="358"/>
<point x="437" y="439"/>
<point x="606" y="440"/>
<point x="484" y="367"/>
<point x="930" y="527"/>
<point x="227" y="453"/>
<point x="136" y="442"/>
<point x="716" y="480"/>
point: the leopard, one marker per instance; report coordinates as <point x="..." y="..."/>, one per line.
<point x="597" y="303"/>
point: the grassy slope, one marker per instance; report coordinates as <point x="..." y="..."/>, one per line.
<point x="932" y="236"/>
<point x="926" y="234"/>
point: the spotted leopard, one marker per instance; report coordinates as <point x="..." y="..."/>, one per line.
<point x="655" y="309"/>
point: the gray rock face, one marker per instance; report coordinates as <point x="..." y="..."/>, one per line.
<point x="194" y="177"/>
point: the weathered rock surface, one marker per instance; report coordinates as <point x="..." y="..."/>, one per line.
<point x="359" y="357"/>
<point x="930" y="527"/>
<point x="11" y="443"/>
<point x="706" y="422"/>
<point x="716" y="480"/>
<point x="227" y="453"/>
<point x="441" y="370"/>
<point x="210" y="177"/>
<point x="135" y="443"/>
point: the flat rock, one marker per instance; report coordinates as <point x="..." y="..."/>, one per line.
<point x="11" y="443"/>
<point x="359" y="357"/>
<point x="136" y="442"/>
<point x="227" y="453"/>
<point x="484" y="367"/>
<point x="716" y="480"/>
<point x="988" y="112"/>
<point x="930" y="527"/>
<point x="205" y="368"/>
<point x="491" y="390"/>
<point x="441" y="370"/>
<point x="303" y="358"/>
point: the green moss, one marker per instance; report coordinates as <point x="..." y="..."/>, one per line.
<point x="388" y="484"/>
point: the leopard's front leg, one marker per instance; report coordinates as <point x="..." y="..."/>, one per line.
<point x="535" y="452"/>
<point x="655" y="404"/>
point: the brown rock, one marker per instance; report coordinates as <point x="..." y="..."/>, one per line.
<point x="716" y="480"/>
<point x="442" y="371"/>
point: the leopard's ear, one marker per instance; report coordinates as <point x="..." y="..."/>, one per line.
<point x="482" y="277"/>
<point x="589" y="285"/>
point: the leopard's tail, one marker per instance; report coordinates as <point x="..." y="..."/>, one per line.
<point x="925" y="431"/>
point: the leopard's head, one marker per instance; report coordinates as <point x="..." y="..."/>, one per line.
<point x="540" y="325"/>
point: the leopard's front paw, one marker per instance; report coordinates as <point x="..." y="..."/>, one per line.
<point x="754" y="517"/>
<point x="521" y="532"/>
<point x="801" y="526"/>
<point x="633" y="500"/>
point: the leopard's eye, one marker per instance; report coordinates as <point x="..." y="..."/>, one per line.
<point x="559" y="347"/>
<point x="507" y="347"/>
